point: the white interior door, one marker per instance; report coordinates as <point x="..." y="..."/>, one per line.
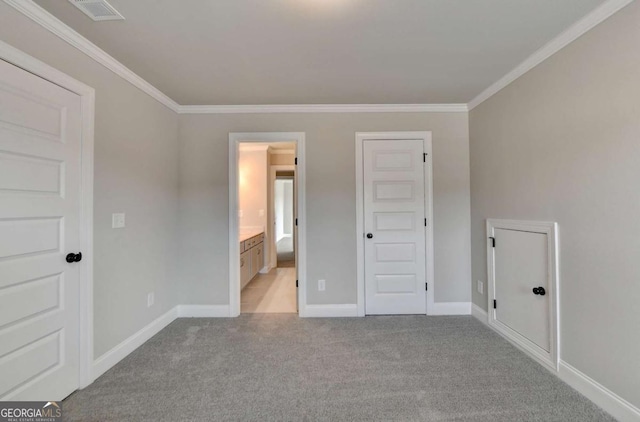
<point x="394" y="223"/>
<point x="40" y="135"/>
<point x="521" y="271"/>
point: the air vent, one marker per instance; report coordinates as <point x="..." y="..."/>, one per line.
<point x="98" y="10"/>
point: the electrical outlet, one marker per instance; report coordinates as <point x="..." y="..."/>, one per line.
<point x="261" y="213"/>
<point x="321" y="285"/>
<point x="240" y="213"/>
<point x="150" y="300"/>
<point x="480" y="286"/>
<point x="117" y="220"/>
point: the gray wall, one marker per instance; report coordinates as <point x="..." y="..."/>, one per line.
<point x="135" y="172"/>
<point x="331" y="214"/>
<point x="562" y="143"/>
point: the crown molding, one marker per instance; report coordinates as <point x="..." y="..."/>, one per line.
<point x="66" y="33"/>
<point x="45" y="19"/>
<point x="569" y="35"/>
<point x="323" y="108"/>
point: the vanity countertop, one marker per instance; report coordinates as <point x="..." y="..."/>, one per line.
<point x="249" y="233"/>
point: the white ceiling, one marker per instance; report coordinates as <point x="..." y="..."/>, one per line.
<point x="324" y="51"/>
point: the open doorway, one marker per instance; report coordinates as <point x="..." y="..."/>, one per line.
<point x="266" y="226"/>
<point x="284" y="218"/>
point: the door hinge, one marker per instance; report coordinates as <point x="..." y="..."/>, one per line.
<point x="296" y="283"/>
<point x="424" y="157"/>
<point x="425" y="222"/>
<point x="295" y="161"/>
<point x="493" y="241"/>
<point x="495" y="304"/>
<point x="296" y="222"/>
<point x="426" y="287"/>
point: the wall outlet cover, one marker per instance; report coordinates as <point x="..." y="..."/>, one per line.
<point x="480" y="286"/>
<point x="321" y="285"/>
<point x="150" y="300"/>
<point x="117" y="220"/>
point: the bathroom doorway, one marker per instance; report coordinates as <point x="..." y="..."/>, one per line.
<point x="267" y="234"/>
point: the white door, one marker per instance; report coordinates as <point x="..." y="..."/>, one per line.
<point x="522" y="284"/>
<point x="394" y="223"/>
<point x="40" y="132"/>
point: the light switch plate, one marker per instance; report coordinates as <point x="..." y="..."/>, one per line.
<point x="321" y="285"/>
<point x="480" y="287"/>
<point x="117" y="220"/>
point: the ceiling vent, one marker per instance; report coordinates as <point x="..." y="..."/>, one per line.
<point x="98" y="10"/>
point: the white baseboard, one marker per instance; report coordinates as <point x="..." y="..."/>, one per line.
<point x="329" y="311"/>
<point x="450" y="308"/>
<point x="615" y="405"/>
<point x="479" y="313"/>
<point x="122" y="350"/>
<point x="521" y="342"/>
<point x="203" y="311"/>
<point x="618" y="407"/>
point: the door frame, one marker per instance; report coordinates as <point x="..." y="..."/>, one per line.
<point x="273" y="255"/>
<point x="361" y="137"/>
<point x="235" y="138"/>
<point x="552" y="358"/>
<point x="32" y="65"/>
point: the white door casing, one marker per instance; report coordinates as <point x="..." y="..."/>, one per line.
<point x="360" y="138"/>
<point x="522" y="259"/>
<point x="394" y="226"/>
<point x="295" y="234"/>
<point x="234" y="253"/>
<point x="40" y="194"/>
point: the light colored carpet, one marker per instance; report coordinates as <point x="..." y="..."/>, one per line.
<point x="274" y="292"/>
<point x="286" y="255"/>
<point x="279" y="367"/>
